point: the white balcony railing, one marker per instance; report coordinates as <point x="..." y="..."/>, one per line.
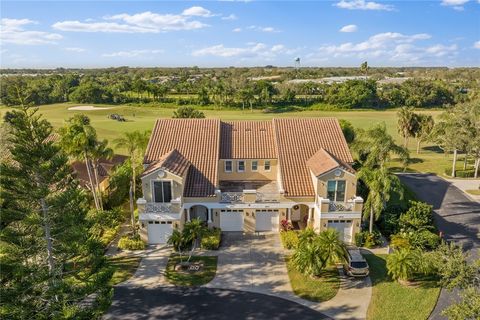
<point x="231" y="197"/>
<point x="239" y="197"/>
<point x="340" y="206"/>
<point x="267" y="197"/>
<point x="158" y="207"/>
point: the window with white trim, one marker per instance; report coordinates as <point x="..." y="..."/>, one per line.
<point x="228" y="166"/>
<point x="336" y="190"/>
<point x="254" y="165"/>
<point x="240" y="166"/>
<point x="266" y="165"/>
<point x="162" y="191"/>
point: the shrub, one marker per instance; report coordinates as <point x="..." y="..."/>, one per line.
<point x="469" y="173"/>
<point x="424" y="239"/>
<point x="289" y="239"/>
<point x="389" y="219"/>
<point x="286" y="225"/>
<point x="419" y="216"/>
<point x="108" y="235"/>
<point x="367" y="239"/>
<point x="398" y="241"/>
<point x="211" y="239"/>
<point x="131" y="243"/>
<point x="403" y="264"/>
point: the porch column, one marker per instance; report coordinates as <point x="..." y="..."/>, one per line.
<point x="289" y="214"/>
<point x="188" y="214"/>
<point x="210" y="214"/>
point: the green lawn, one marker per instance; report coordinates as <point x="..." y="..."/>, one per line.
<point x="191" y="279"/>
<point x="391" y="300"/>
<point x="317" y="289"/>
<point x="430" y="159"/>
<point x="124" y="268"/>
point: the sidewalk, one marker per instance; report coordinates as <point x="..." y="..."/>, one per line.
<point x="467" y="184"/>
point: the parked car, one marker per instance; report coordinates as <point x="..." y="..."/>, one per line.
<point x="356" y="265"/>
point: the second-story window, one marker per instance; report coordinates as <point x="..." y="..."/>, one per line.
<point x="241" y="166"/>
<point x="336" y="190"/>
<point x="162" y="191"/>
<point x="266" y="166"/>
<point x="228" y="165"/>
<point x="254" y="165"/>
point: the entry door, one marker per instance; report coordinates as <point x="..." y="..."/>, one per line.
<point x="266" y="220"/>
<point x="159" y="231"/>
<point x="231" y="221"/>
<point x="344" y="228"/>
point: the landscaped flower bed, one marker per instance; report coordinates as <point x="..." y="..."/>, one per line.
<point x="179" y="272"/>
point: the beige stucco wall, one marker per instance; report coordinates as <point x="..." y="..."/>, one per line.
<point x="355" y="228"/>
<point x="177" y="185"/>
<point x="350" y="186"/>
<point x="260" y="174"/>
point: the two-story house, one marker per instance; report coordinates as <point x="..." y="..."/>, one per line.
<point x="248" y="176"/>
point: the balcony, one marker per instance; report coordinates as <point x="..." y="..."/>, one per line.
<point x="249" y="192"/>
<point x="352" y="205"/>
<point x="158" y="207"/>
<point x="334" y="206"/>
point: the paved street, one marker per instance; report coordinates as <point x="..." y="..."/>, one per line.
<point x="456" y="216"/>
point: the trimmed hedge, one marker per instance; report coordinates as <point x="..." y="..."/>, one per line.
<point x="211" y="239"/>
<point x="469" y="173"/>
<point x="289" y="239"/>
<point x="131" y="243"/>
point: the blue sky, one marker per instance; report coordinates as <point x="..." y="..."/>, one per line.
<point x="45" y="34"/>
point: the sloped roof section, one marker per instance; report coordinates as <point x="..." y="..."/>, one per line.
<point x="105" y="167"/>
<point x="172" y="161"/>
<point x="196" y="140"/>
<point x="322" y="161"/>
<point x="297" y="141"/>
<point x="247" y="140"/>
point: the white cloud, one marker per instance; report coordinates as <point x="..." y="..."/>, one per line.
<point x="263" y="29"/>
<point x="144" y="22"/>
<point x="237" y="30"/>
<point x="13" y="31"/>
<point x="349" y="28"/>
<point x="252" y="50"/>
<point x="393" y="46"/>
<point x="363" y="5"/>
<point x="455" y="4"/>
<point x="230" y="17"/>
<point x="75" y="49"/>
<point x="476" y="45"/>
<point x="197" y="12"/>
<point x="131" y="53"/>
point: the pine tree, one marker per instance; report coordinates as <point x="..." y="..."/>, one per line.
<point x="48" y="260"/>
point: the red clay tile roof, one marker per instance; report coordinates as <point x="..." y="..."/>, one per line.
<point x="54" y="137"/>
<point x="247" y="140"/>
<point x="322" y="161"/>
<point x="198" y="141"/>
<point x="297" y="141"/>
<point x="105" y="167"/>
<point x="172" y="161"/>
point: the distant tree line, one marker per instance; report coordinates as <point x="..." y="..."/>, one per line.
<point x="234" y="88"/>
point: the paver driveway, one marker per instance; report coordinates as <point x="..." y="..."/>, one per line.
<point x="256" y="263"/>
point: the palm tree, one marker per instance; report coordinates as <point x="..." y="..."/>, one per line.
<point x="177" y="240"/>
<point x="79" y="139"/>
<point x="306" y="236"/>
<point x="364" y="68"/>
<point x="333" y="249"/>
<point x="406" y="123"/>
<point x="308" y="259"/>
<point x="100" y="151"/>
<point x="381" y="183"/>
<point x="135" y="144"/>
<point x="375" y="147"/>
<point x="424" y="127"/>
<point x="402" y="264"/>
<point x="192" y="232"/>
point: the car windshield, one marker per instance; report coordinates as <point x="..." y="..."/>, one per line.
<point x="358" y="264"/>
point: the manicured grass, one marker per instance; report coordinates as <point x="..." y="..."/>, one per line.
<point x="142" y="118"/>
<point x="474" y="192"/>
<point x="391" y="300"/>
<point x="124" y="268"/>
<point x="191" y="279"/>
<point x="317" y="289"/>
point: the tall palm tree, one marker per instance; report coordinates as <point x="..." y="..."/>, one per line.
<point x="135" y="144"/>
<point x="333" y="249"/>
<point x="79" y="139"/>
<point x="308" y="259"/>
<point x="192" y="232"/>
<point x="375" y="147"/>
<point x="100" y="151"/>
<point x="381" y="183"/>
<point x="406" y="123"/>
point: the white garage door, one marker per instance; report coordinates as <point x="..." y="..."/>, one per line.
<point x="344" y="228"/>
<point x="231" y="220"/>
<point x="159" y="231"/>
<point x="266" y="220"/>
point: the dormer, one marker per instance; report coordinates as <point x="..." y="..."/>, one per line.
<point x="163" y="180"/>
<point x="332" y="178"/>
